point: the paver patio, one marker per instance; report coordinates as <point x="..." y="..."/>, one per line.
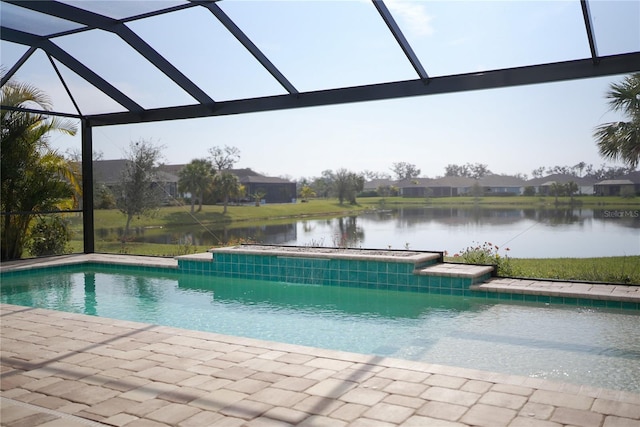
<point x="65" y="369"/>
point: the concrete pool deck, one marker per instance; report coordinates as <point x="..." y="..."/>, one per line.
<point x="67" y="369"/>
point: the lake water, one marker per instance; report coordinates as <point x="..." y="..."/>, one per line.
<point x="528" y="233"/>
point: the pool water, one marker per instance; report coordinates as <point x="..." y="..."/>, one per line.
<point x="591" y="346"/>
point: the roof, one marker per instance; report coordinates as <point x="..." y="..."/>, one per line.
<point x="453" y="181"/>
<point x="560" y="178"/>
<point x="501" y="181"/>
<point x="109" y="171"/>
<point x="615" y="182"/>
<point x="259" y="179"/>
<point x="374" y="184"/>
<point x="414" y="182"/>
<point x="79" y="37"/>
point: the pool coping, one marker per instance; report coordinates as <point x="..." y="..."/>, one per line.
<point x="496" y="285"/>
<point x="75" y="259"/>
<point x="76" y="369"/>
<point x="400" y="256"/>
<point x="564" y="289"/>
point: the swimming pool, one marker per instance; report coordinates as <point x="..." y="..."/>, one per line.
<point x="591" y="346"/>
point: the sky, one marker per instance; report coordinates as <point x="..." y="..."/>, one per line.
<point x="325" y="44"/>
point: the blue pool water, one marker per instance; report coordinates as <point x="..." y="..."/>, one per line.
<point x="580" y="345"/>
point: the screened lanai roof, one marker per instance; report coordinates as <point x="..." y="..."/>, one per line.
<point x="118" y="62"/>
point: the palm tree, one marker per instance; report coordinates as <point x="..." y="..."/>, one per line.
<point x="35" y="178"/>
<point x="306" y="193"/>
<point x="571" y="189"/>
<point x="226" y="185"/>
<point x="621" y="140"/>
<point x="196" y="178"/>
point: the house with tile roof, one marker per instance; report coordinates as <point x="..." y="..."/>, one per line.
<point x="109" y="173"/>
<point x="502" y="185"/>
<point x="276" y="190"/>
<point x="450" y="186"/>
<point x="627" y="184"/>
<point x="543" y="185"/>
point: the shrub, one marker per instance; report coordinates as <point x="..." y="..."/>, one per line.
<point x="105" y="198"/>
<point x="627" y="192"/>
<point x="49" y="236"/>
<point x="487" y="254"/>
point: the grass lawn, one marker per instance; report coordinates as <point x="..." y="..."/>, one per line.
<point x="620" y="269"/>
<point x="608" y="269"/>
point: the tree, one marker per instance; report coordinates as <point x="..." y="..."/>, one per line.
<point x="469" y="170"/>
<point x="257" y="197"/>
<point x="538" y="173"/>
<point x="35" y="178"/>
<point x="306" y="193"/>
<point x="578" y="168"/>
<point x="387" y="190"/>
<point x="139" y="192"/>
<point x="404" y="170"/>
<point x="371" y="175"/>
<point x="324" y="184"/>
<point x="621" y="140"/>
<point x="196" y="178"/>
<point x="348" y="185"/>
<point x="49" y="236"/>
<point x="223" y="158"/>
<point x="477" y="190"/>
<point x="571" y="188"/>
<point x="104" y="198"/>
<point x="226" y="185"/>
<point x="478" y="170"/>
<point x="557" y="189"/>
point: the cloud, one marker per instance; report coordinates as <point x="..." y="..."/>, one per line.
<point x="413" y="15"/>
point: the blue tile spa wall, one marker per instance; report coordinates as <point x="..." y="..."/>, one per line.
<point x="330" y="272"/>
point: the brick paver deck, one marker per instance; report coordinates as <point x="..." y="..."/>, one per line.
<point x="65" y="369"/>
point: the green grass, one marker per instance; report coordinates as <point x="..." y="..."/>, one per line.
<point x="620" y="269"/>
<point x="623" y="269"/>
<point x="180" y="215"/>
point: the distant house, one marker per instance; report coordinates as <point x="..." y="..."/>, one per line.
<point x="543" y="185"/>
<point x="635" y="178"/>
<point x="614" y="187"/>
<point x="502" y="185"/>
<point x="413" y="187"/>
<point x="450" y="186"/>
<point x="109" y="173"/>
<point x="275" y="190"/>
<point x="627" y="184"/>
<point x="375" y="184"/>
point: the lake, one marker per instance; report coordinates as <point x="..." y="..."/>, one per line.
<point x="528" y="233"/>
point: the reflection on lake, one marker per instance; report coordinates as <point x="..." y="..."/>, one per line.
<point x="529" y="233"/>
